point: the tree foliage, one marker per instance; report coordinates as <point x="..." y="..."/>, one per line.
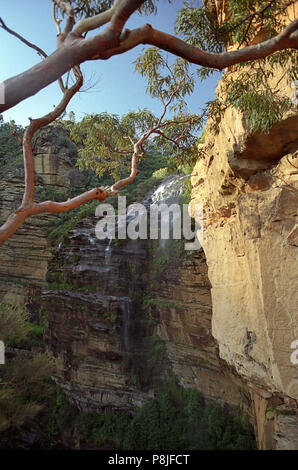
<point x="22" y="378"/>
<point x="107" y="141"/>
<point x="251" y="89"/>
<point x="89" y="8"/>
<point x="177" y="419"/>
<point x="10" y="146"/>
<point x="241" y="22"/>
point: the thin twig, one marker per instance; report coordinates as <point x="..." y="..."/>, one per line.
<point x="56" y="20"/>
<point x="39" y="51"/>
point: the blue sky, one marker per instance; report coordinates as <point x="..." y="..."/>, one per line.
<point x="118" y="88"/>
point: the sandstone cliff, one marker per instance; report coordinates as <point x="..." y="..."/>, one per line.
<point x="25" y="256"/>
<point x="119" y="321"/>
<point x="247" y="184"/>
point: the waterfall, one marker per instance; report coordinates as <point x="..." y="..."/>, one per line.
<point x="108" y="252"/>
<point x="92" y="240"/>
<point x="169" y="191"/>
<point x="127" y="308"/>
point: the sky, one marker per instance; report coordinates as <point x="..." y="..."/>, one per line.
<point x="118" y="89"/>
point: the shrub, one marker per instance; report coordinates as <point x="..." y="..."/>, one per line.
<point x="23" y="376"/>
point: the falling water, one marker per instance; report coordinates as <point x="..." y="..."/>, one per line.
<point x="92" y="240"/>
<point x="169" y="191"/>
<point x="127" y="320"/>
<point x="108" y="252"/>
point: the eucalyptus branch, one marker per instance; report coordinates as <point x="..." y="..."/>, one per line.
<point x="57" y="21"/>
<point x="66" y="8"/>
<point x="134" y="171"/>
<point x="123" y="10"/>
<point x="88" y="24"/>
<point x="139" y="144"/>
<point x="288" y="38"/>
<point x="246" y="31"/>
<point x="174" y="141"/>
<point x="28" y="207"/>
<point x="39" y="51"/>
<point x="104" y="45"/>
<point x="16" y="135"/>
<point x="167" y="104"/>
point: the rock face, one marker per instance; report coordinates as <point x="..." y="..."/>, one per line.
<point x="247" y="185"/>
<point x="24" y="257"/>
<point x="250" y="241"/>
<point x="124" y="315"/>
<point x="120" y="316"/>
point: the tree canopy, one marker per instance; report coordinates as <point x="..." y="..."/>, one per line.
<point x="108" y="141"/>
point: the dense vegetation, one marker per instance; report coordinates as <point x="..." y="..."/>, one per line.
<point x="11" y="153"/>
<point x="24" y="377"/>
<point x="177" y="419"/>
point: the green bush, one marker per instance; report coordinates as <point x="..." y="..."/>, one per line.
<point x="23" y="377"/>
<point x="177" y="420"/>
<point x="11" y="154"/>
